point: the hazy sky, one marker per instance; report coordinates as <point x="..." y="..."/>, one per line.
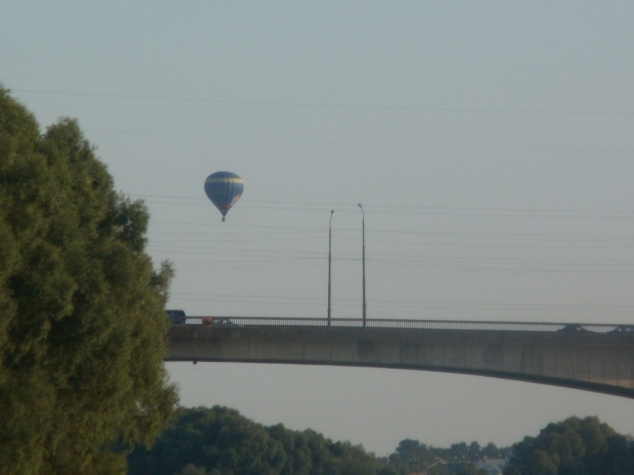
<point x="491" y="144"/>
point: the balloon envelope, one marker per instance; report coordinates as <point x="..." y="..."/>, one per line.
<point x="224" y="189"/>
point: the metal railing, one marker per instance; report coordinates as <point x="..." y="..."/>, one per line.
<point x="229" y="321"/>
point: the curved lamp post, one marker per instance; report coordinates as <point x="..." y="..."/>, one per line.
<point x="363" y="260"/>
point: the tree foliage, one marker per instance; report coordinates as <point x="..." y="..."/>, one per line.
<point x="573" y="447"/>
<point x="82" y="326"/>
<point x="411" y="456"/>
<point x="219" y="441"/>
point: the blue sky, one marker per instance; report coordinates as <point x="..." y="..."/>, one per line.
<point x="491" y="144"/>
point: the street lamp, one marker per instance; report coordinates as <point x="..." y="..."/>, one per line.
<point x="329" y="263"/>
<point x="363" y="233"/>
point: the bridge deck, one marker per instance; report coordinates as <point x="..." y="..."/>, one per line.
<point x="592" y="357"/>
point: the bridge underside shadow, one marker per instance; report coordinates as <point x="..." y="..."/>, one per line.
<point x="590" y="361"/>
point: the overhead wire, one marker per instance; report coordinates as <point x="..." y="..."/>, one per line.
<point x="483" y="266"/>
<point x="284" y="259"/>
<point x="491" y="240"/>
<point x="401" y="206"/>
<point x="501" y="236"/>
<point x="407" y="209"/>
<point x="247" y="239"/>
<point x="435" y="305"/>
<point x="365" y="144"/>
<point x="365" y="107"/>
<point x="323" y="105"/>
<point x="379" y="257"/>
<point x="402" y="261"/>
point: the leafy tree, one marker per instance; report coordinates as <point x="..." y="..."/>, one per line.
<point x="82" y="326"/>
<point x="299" y="456"/>
<point x="471" y="469"/>
<point x="573" y="447"/>
<point x="474" y="450"/>
<point x="222" y="442"/>
<point x="468" y="469"/>
<point x="438" y="469"/>
<point x="459" y="452"/>
<point x="412" y="456"/>
<point x="491" y="451"/>
<point x="192" y="470"/>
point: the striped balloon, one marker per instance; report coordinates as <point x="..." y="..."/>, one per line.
<point x="224" y="189"/>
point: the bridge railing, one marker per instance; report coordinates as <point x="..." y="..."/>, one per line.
<point x="236" y="322"/>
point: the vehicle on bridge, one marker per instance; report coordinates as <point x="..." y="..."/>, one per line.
<point x="223" y="322"/>
<point x="178" y="317"/>
<point x="218" y="322"/>
<point x="573" y="328"/>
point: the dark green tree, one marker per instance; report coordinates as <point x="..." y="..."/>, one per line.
<point x="474" y="450"/>
<point x="412" y="456"/>
<point x="192" y="470"/>
<point x="459" y="452"/>
<point x="222" y="442"/>
<point x="468" y="469"/>
<point x="82" y="326"/>
<point x="437" y="469"/>
<point x="491" y="451"/>
<point x="573" y="447"/>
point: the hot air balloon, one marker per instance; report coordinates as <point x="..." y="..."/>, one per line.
<point x="224" y="189"/>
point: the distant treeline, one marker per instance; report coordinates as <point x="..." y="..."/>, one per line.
<point x="413" y="457"/>
<point x="219" y="441"/>
<point x="573" y="447"/>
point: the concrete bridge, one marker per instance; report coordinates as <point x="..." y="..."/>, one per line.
<point x="596" y="358"/>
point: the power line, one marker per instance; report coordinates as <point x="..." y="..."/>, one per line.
<point x="232" y="240"/>
<point x="501" y="236"/>
<point x="323" y="105"/>
<point x="429" y="212"/>
<point x="409" y="209"/>
<point x="378" y="257"/>
<point x="364" y="144"/>
<point x="418" y="304"/>
<point x="543" y="268"/>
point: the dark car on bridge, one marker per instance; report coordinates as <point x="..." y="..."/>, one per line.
<point x="573" y="328"/>
<point x="178" y="317"/>
<point x="223" y="322"/>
